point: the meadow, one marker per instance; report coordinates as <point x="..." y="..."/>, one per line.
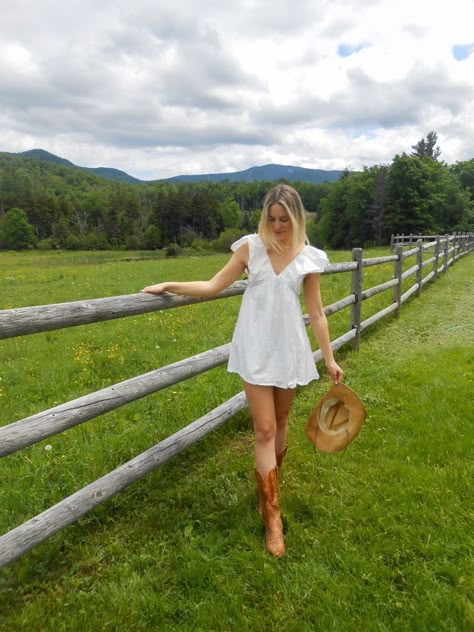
<point x="379" y="536"/>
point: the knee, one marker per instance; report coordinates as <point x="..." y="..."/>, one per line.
<point x="282" y="418"/>
<point x="265" y="429"/>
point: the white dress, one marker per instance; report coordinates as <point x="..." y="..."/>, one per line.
<point x="270" y="345"/>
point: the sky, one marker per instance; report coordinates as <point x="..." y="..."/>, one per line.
<point x="169" y="87"/>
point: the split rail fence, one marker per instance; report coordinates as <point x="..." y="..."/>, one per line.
<point x="411" y="239"/>
<point x="444" y="251"/>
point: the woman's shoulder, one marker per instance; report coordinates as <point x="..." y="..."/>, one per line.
<point x="252" y="239"/>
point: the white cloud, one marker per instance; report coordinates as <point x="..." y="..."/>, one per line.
<point x="158" y="90"/>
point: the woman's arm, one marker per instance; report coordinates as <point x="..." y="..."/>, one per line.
<point x="319" y="324"/>
<point x="230" y="273"/>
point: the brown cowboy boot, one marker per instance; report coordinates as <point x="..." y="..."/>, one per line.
<point x="279" y="460"/>
<point x="268" y="491"/>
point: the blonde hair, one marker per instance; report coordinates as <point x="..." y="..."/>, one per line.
<point x="290" y="200"/>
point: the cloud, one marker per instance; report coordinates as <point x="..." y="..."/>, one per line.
<point x="146" y="88"/>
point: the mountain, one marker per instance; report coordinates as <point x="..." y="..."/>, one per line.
<point x="113" y="174"/>
<point x="104" y="172"/>
<point x="267" y="173"/>
<point x="42" y="154"/>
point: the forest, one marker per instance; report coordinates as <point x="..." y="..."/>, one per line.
<point x="49" y="206"/>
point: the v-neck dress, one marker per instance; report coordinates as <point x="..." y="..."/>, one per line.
<point x="270" y="345"/>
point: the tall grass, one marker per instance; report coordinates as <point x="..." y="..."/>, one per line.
<point x="378" y="537"/>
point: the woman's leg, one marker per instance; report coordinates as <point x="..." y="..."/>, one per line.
<point x="262" y="410"/>
<point x="269" y="407"/>
<point x="283" y="398"/>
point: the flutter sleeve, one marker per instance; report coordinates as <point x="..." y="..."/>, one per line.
<point x="314" y="260"/>
<point x="240" y="242"/>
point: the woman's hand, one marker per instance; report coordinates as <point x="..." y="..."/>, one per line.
<point x="335" y="371"/>
<point x="155" y="289"/>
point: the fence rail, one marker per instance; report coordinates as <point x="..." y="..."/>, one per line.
<point x="459" y="240"/>
<point x="18" y="322"/>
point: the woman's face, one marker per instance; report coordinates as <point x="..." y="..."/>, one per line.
<point x="280" y="223"/>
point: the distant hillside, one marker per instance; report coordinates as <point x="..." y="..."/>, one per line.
<point x="267" y="173"/>
<point x="113" y="174"/>
<point x="42" y="154"/>
<point x="103" y="172"/>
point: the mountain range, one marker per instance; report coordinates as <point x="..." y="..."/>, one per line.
<point x="268" y="173"/>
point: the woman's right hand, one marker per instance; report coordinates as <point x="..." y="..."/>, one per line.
<point x="335" y="371"/>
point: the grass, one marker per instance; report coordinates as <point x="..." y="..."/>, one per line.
<point x="379" y="537"/>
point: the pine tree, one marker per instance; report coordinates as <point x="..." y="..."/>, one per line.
<point x="426" y="147"/>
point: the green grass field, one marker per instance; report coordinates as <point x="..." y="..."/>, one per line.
<point x="379" y="537"/>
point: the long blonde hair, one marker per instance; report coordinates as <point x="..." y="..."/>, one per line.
<point x="289" y="198"/>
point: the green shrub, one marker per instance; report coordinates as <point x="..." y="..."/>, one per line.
<point x="45" y="244"/>
<point x="16" y="233"/>
<point x="172" y="250"/>
<point x="227" y="238"/>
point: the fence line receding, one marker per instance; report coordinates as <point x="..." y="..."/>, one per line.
<point x="444" y="250"/>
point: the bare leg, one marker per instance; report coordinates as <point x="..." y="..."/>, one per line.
<point x="269" y="407"/>
<point x="262" y="409"/>
<point x="283" y="398"/>
<point x="261" y="401"/>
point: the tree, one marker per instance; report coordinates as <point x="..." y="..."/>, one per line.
<point x="230" y="213"/>
<point x="345" y="220"/>
<point x="426" y="147"/>
<point x="333" y="226"/>
<point x="449" y="201"/>
<point x="376" y="210"/>
<point x="409" y="196"/>
<point x="16" y="233"/>
<point x="152" y="238"/>
<point x="465" y="172"/>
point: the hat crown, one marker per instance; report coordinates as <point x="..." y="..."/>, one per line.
<point x="334" y="416"/>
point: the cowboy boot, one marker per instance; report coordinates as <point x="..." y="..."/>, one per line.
<point x="268" y="491"/>
<point x="279" y="459"/>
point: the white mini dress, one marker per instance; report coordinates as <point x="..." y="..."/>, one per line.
<point x="270" y="345"/>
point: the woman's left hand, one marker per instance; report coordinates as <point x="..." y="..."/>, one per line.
<point x="335" y="371"/>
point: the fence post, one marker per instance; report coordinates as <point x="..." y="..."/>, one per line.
<point x="394" y="240"/>
<point x="357" y="291"/>
<point x="445" y="253"/>
<point x="436" y="256"/>
<point x="419" y="263"/>
<point x="397" y="274"/>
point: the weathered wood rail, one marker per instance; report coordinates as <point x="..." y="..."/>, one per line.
<point x="458" y="240"/>
<point x="444" y="250"/>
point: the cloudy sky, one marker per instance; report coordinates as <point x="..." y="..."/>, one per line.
<point x="166" y="87"/>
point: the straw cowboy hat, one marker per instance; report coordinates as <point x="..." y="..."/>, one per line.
<point x="336" y="419"/>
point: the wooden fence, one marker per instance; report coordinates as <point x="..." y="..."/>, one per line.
<point x="457" y="240"/>
<point x="444" y="251"/>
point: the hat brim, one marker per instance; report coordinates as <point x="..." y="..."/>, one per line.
<point x="328" y="440"/>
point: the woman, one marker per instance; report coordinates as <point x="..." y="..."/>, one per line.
<point x="270" y="348"/>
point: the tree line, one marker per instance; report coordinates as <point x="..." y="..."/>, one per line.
<point x="46" y="205"/>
